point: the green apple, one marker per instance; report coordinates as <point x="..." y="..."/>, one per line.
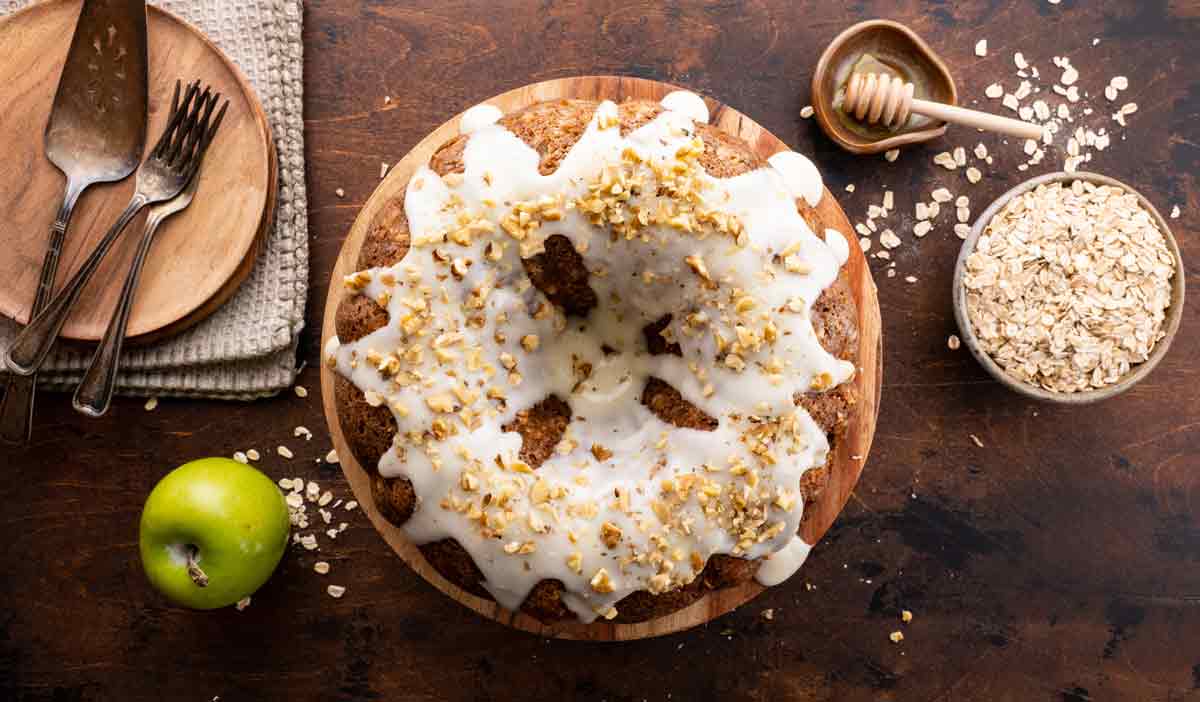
<point x="212" y="532"/>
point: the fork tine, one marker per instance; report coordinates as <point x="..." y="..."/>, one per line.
<point x="207" y="135"/>
<point x="174" y="101"/>
<point x="175" y="151"/>
<point x="201" y="128"/>
<point x="174" y="120"/>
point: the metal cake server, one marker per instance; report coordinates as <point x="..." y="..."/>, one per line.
<point x="96" y="133"/>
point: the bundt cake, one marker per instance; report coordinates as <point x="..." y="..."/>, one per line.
<point x="596" y="356"/>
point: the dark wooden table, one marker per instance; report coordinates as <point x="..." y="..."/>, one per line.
<point x="1060" y="561"/>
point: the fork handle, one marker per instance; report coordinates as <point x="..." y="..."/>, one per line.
<point x="95" y="391"/>
<point x="16" y="409"/>
<point x="33" y="344"/>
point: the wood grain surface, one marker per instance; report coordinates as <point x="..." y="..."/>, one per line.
<point x="200" y="256"/>
<point x="1060" y="562"/>
<point x="845" y="463"/>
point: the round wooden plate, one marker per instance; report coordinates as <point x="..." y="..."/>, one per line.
<point x="848" y="456"/>
<point x="200" y="255"/>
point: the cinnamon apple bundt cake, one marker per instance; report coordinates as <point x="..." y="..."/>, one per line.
<point x="596" y="355"/>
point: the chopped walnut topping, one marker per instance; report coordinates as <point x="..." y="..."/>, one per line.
<point x="610" y="534"/>
<point x="602" y="583"/>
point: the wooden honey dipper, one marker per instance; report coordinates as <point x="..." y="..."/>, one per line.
<point x="880" y="98"/>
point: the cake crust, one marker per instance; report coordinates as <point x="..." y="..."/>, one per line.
<point x="551" y="129"/>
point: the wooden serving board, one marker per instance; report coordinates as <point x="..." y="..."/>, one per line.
<point x="846" y="461"/>
<point x="201" y="255"/>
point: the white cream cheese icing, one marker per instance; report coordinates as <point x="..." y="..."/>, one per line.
<point x="784" y="563"/>
<point x="627" y="502"/>
<point x="837" y="243"/>
<point x="478" y="117"/>
<point x="687" y="103"/>
<point x="800" y="176"/>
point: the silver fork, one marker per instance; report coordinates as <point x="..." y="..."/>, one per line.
<point x="95" y="391"/>
<point x="164" y="173"/>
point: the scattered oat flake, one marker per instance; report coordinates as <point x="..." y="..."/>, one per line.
<point x="383" y="170"/>
<point x="976" y="440"/>
<point x="806" y="111"/>
<point x="888" y="239"/>
<point x="321" y="568"/>
<point x="981" y="47"/>
<point x="151" y="404"/>
<point x="922" y="228"/>
<point x="339" y="192"/>
<point x="941" y="195"/>
<point x="1175" y="212"/>
<point x="896" y="637"/>
<point x="906" y="616"/>
<point x="335" y="591"/>
<point x="243" y="603"/>
<point x="974" y="175"/>
<point x="768" y="614"/>
<point x="240" y="457"/>
<point x="1019" y="60"/>
<point x="351" y="506"/>
<point x="995" y="90"/>
<point x="253" y="454"/>
<point x="953" y="342"/>
<point x="300" y="391"/>
<point x="285" y="452"/>
<point x="962" y="231"/>
<point x="332" y="456"/>
<point x="850" y="187"/>
<point x="891" y="155"/>
<point x="910" y="278"/>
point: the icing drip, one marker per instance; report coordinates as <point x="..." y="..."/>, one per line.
<point x="627" y="502"/>
<point x="838" y="245"/>
<point x="688" y="104"/>
<point x="800" y="176"/>
<point x="784" y="563"/>
<point x="478" y="117"/>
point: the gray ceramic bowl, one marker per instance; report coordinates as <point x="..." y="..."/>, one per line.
<point x="1173" y="315"/>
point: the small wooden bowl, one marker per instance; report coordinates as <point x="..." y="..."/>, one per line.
<point x="903" y="51"/>
<point x="1136" y="373"/>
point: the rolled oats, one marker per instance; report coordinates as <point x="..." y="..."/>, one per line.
<point x="1068" y="287"/>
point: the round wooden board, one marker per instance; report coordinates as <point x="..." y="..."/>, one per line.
<point x="846" y="461"/>
<point x="201" y="255"/>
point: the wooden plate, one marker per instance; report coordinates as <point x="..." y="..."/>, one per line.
<point x="846" y="461"/>
<point x="201" y="254"/>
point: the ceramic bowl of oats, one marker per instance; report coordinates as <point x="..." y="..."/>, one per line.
<point x="1069" y="288"/>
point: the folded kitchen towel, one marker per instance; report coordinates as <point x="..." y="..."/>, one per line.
<point x="247" y="348"/>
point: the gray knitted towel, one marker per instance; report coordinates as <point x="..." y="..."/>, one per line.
<point x="247" y="348"/>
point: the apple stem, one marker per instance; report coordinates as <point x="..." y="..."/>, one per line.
<point x="198" y="576"/>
